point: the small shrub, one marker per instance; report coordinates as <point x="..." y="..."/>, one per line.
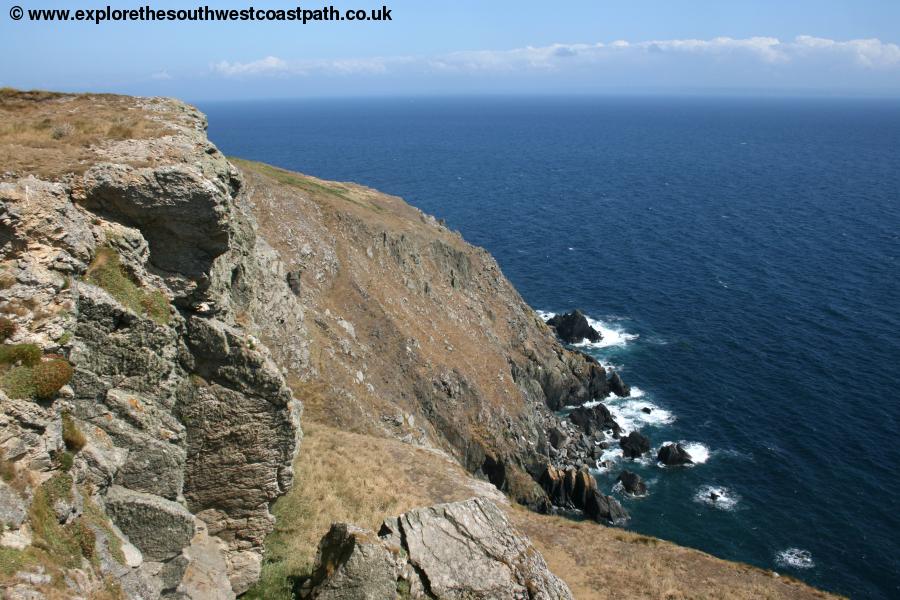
<point x="8" y="328"/>
<point x="18" y="383"/>
<point x="64" y="338"/>
<point x="49" y="377"/>
<point x="7" y="468"/>
<point x="66" y="460"/>
<point x="71" y="435"/>
<point x="26" y="354"/>
<point x="63" y="130"/>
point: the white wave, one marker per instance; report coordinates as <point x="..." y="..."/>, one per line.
<point x="699" y="452"/>
<point x="611" y="456"/>
<point x="717" y="497"/>
<point x="796" y="558"/>
<point x="610" y="336"/>
<point x="629" y="412"/>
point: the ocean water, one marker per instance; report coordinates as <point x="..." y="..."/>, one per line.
<point x="741" y="256"/>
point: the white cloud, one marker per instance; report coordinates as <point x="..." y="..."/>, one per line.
<point x="871" y="53"/>
<point x="272" y="65"/>
<point x="768" y="62"/>
<point x="263" y="66"/>
<point x="161" y="75"/>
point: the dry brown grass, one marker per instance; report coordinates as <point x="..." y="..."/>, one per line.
<point x="603" y="563"/>
<point x="349" y="477"/>
<point x="50" y="134"/>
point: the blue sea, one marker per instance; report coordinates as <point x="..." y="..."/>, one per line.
<point x="741" y="257"/>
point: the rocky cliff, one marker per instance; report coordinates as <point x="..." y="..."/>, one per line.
<point x="167" y="312"/>
<point x="180" y="292"/>
<point x="163" y="449"/>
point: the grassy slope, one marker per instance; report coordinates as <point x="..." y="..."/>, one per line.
<point x="344" y="476"/>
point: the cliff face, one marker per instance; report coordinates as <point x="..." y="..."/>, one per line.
<point x="414" y="333"/>
<point x="182" y="291"/>
<point x="176" y="423"/>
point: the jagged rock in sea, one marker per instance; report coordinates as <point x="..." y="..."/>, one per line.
<point x="632" y="483"/>
<point x="571" y="488"/>
<point x="673" y="455"/>
<point x="446" y="552"/>
<point x="617" y="386"/>
<point x="634" y="445"/>
<point x="573" y="328"/>
<point x="595" y="419"/>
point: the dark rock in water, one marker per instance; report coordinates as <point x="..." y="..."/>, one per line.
<point x="597" y="418"/>
<point x="617" y="386"/>
<point x="647" y="410"/>
<point x="573" y="328"/>
<point x="604" y="509"/>
<point x="632" y="483"/>
<point x="673" y="455"/>
<point x="713" y="496"/>
<point x="634" y="445"/>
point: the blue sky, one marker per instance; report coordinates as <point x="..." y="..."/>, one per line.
<point x="843" y="47"/>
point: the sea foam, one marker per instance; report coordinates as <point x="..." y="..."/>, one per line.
<point x="796" y="558"/>
<point x="725" y="499"/>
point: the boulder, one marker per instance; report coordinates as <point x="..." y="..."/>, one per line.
<point x="355" y="564"/>
<point x="618" y="387"/>
<point x="604" y="509"/>
<point x="573" y="328"/>
<point x="632" y="483"/>
<point x="158" y="527"/>
<point x="594" y="419"/>
<point x="465" y="550"/>
<point x="634" y="445"/>
<point x="673" y="455"/>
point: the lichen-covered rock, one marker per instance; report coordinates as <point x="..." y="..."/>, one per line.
<point x="460" y="551"/>
<point x="158" y="527"/>
<point x="354" y="564"/>
<point x="469" y="550"/>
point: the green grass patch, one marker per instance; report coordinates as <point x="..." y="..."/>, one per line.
<point x="18" y="383"/>
<point x="59" y="541"/>
<point x="25" y="354"/>
<point x="96" y="517"/>
<point x="107" y="272"/>
<point x="302" y="182"/>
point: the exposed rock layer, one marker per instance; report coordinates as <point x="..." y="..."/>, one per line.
<point x="466" y="550"/>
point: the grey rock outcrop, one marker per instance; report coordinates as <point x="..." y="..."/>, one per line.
<point x="465" y="550"/>
<point x="189" y="430"/>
